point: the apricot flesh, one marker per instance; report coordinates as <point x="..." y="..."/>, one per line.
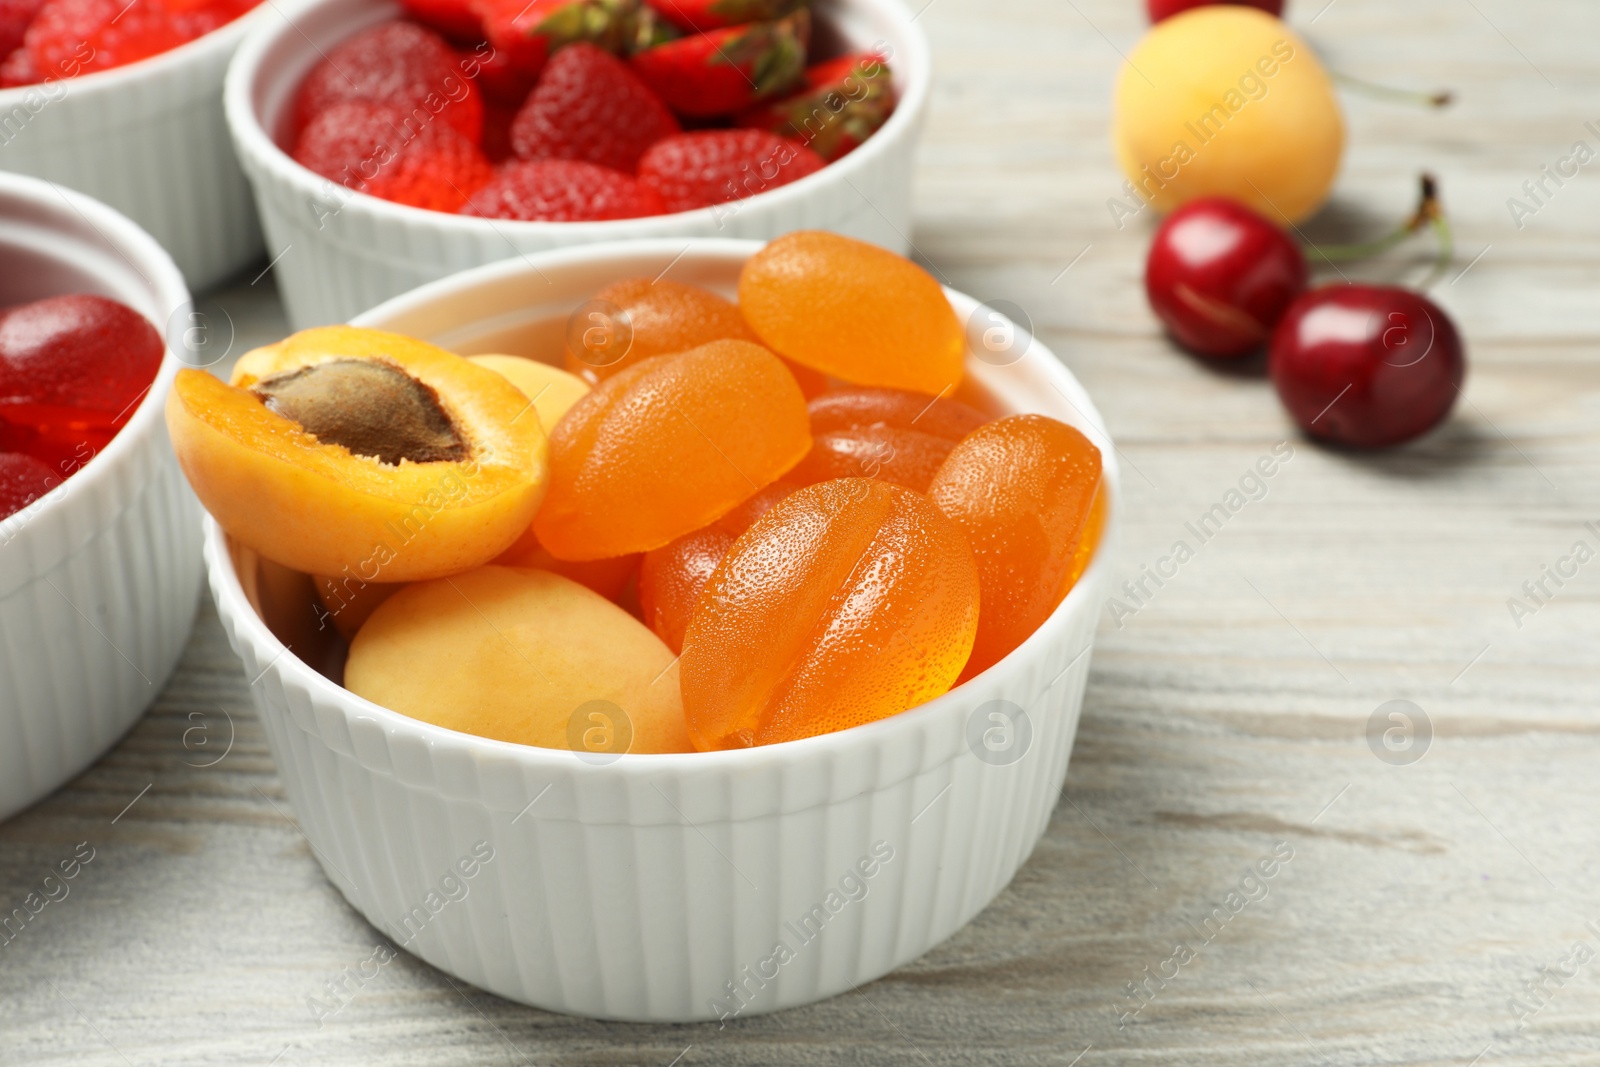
<point x="551" y="390"/>
<point x="301" y="498"/>
<point x="524" y="656"/>
<point x="1225" y="100"/>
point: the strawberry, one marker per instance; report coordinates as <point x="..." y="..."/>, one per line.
<point x="694" y="170"/>
<point x="844" y="102"/>
<point x="18" y="69"/>
<point x="724" y="71"/>
<point x="590" y="106"/>
<point x="23" y="480"/>
<point x="529" y="32"/>
<point x="399" y="65"/>
<point x="501" y="81"/>
<point x="702" y="15"/>
<point x="456" y="19"/>
<point x="562" y="190"/>
<point x="376" y="149"/>
<point x="14" y="18"/>
<point x="72" y="37"/>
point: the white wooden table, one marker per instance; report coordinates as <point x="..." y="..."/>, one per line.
<point x="1226" y="719"/>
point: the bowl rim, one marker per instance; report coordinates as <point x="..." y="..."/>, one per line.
<point x="152" y="263"/>
<point x="1081" y="599"/>
<point x="247" y="73"/>
<point x="224" y="38"/>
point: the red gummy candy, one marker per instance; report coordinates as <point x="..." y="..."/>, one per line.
<point x="23" y="480"/>
<point x="400" y="65"/>
<point x="81" y="351"/>
<point x="373" y="149"/>
<point x="562" y="190"/>
<point x="694" y="170"/>
<point x="589" y="106"/>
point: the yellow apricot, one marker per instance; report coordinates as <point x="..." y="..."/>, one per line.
<point x="1225" y="100"/>
<point x="551" y="389"/>
<point x="521" y="655"/>
<point x="355" y="453"/>
<point x="349" y="602"/>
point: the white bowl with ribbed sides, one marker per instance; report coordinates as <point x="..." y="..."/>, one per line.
<point x="100" y="578"/>
<point x="148" y="139"/>
<point x="338" y="253"/>
<point x="667" y="887"/>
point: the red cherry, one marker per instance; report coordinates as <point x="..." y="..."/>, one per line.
<point x="1366" y="365"/>
<point x="1219" y="277"/>
<point x="1165" y="9"/>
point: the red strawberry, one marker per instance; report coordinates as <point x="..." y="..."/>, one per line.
<point x="18" y="69"/>
<point x="501" y="80"/>
<point x="588" y="105"/>
<point x="23" y="480"/>
<point x="529" y="32"/>
<point x="844" y="102"/>
<point x="562" y="190"/>
<point x="71" y="37"/>
<point x="724" y="71"/>
<point x="399" y="65"/>
<point x="708" y="167"/>
<point x="704" y="15"/>
<point x="457" y="19"/>
<point x="14" y="18"/>
<point x="374" y="149"/>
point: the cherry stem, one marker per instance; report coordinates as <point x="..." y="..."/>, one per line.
<point x="1429" y="213"/>
<point x="1402" y="96"/>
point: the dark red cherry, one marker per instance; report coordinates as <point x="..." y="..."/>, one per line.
<point x="1366" y="365"/>
<point x="1219" y="277"/>
<point x="1165" y="9"/>
<point x="82" y="352"/>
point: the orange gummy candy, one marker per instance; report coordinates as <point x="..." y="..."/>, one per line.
<point x="608" y="577"/>
<point x="892" y="434"/>
<point x="673" y="576"/>
<point x="853" y="310"/>
<point x="662" y="318"/>
<point x="1023" y="491"/>
<point x="666" y="447"/>
<point x="849" y="601"/>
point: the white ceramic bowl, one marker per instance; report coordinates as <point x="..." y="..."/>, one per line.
<point x="150" y="140"/>
<point x="339" y="252"/>
<point x="641" y="888"/>
<point x="99" y="579"/>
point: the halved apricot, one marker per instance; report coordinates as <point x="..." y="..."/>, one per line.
<point x="667" y="446"/>
<point x="348" y="452"/>
<point x="521" y="655"/>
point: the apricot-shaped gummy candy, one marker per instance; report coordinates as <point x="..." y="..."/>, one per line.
<point x="1022" y="489"/>
<point x="667" y="446"/>
<point x="853" y="310"/>
<point x="859" y="408"/>
<point x="523" y="656"/>
<point x="342" y="451"/>
<point x="891" y="434"/>
<point x="673" y="576"/>
<point x="609" y="577"/>
<point x="658" y="318"/>
<point x="849" y="601"/>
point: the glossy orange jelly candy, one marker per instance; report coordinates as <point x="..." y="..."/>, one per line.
<point x="608" y="577"/>
<point x="891" y="434"/>
<point x="673" y="576"/>
<point x="849" y="601"/>
<point x="1023" y="491"/>
<point x="658" y="318"/>
<point x="667" y="446"/>
<point x="854" y="311"/>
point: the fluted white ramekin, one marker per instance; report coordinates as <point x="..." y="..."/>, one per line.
<point x="150" y="140"/>
<point x="99" y="579"/>
<point x="641" y="888"/>
<point x="338" y="253"/>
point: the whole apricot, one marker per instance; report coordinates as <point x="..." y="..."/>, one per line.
<point x="346" y="453"/>
<point x="551" y="390"/>
<point x="348" y="602"/>
<point x="1226" y="100"/>
<point x="524" y="656"/>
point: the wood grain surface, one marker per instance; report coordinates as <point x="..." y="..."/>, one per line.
<point x="1429" y="913"/>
